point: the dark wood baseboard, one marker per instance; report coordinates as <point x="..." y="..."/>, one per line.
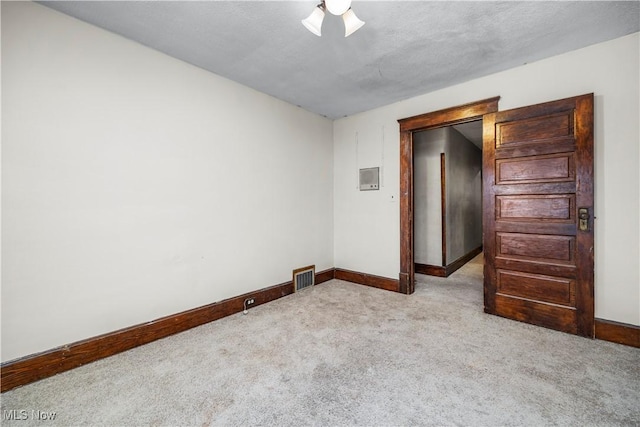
<point x="431" y="270"/>
<point x="434" y="270"/>
<point x="368" y="279"/>
<point x="463" y="260"/>
<point x="325" y="276"/>
<point x="35" y="367"/>
<point x="621" y="333"/>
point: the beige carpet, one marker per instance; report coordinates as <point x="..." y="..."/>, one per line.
<point x="345" y="354"/>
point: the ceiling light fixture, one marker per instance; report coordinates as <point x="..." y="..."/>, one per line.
<point x="336" y="7"/>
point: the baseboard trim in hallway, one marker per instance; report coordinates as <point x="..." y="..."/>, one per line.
<point x="38" y="366"/>
<point x="439" y="271"/>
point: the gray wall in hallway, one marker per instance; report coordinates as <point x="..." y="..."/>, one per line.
<point x="464" y="195"/>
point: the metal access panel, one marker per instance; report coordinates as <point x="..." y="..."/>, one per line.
<point x="369" y="179"/>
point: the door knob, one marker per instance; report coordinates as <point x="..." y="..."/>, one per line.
<point x="583" y="216"/>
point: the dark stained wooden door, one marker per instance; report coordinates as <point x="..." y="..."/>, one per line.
<point x="538" y="188"/>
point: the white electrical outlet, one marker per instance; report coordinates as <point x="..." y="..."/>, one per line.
<point x="247" y="303"/>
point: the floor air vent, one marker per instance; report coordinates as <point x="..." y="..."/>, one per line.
<point x="304" y="278"/>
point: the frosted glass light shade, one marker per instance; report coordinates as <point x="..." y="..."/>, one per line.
<point x="314" y="22"/>
<point x="337" y="7"/>
<point x="351" y="23"/>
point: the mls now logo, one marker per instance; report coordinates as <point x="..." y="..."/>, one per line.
<point x="23" y="414"/>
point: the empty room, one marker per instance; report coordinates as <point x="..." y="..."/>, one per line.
<point x="346" y="213"/>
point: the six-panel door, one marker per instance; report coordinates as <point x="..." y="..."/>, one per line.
<point x="538" y="173"/>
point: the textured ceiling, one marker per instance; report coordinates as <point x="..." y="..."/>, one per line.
<point x="406" y="48"/>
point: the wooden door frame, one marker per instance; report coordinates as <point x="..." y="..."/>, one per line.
<point x="437" y="119"/>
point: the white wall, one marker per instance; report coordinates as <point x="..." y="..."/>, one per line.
<point x="136" y="186"/>
<point x="610" y="70"/>
<point x="370" y="217"/>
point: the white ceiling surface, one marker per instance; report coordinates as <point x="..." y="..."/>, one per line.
<point x="406" y="48"/>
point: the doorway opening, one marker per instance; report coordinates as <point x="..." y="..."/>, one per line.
<point x="408" y="128"/>
<point x="447" y="163"/>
